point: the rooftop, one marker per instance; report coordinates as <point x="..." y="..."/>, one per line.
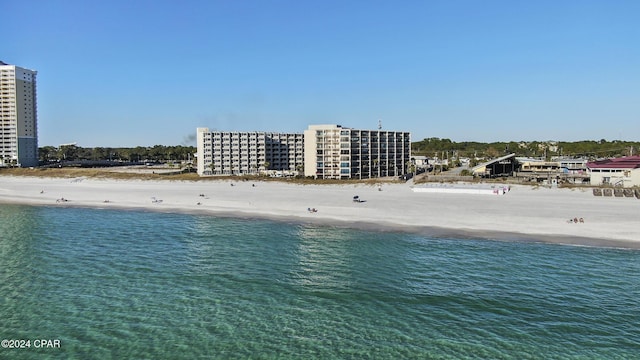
<point x="627" y="162"/>
<point x="503" y="158"/>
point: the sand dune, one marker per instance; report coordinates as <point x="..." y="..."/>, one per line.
<point x="525" y="213"/>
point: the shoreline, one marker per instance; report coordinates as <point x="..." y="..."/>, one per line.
<point x="524" y="214"/>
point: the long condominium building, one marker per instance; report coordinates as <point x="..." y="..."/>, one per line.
<point x="336" y="152"/>
<point x="18" y="116"/>
<point x="227" y="153"/>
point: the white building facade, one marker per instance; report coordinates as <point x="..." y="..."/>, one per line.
<point x="336" y="152"/>
<point x="18" y="116"/>
<point x="240" y="153"/>
<point x="619" y="172"/>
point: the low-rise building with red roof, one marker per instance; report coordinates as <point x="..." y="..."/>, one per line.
<point x="624" y="171"/>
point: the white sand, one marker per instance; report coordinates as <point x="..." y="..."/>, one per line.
<point x="524" y="213"/>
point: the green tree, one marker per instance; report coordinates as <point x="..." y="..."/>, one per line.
<point x="68" y="152"/>
<point x="47" y="153"/>
<point x="98" y="153"/>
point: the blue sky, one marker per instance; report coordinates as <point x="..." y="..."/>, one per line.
<point x="128" y="73"/>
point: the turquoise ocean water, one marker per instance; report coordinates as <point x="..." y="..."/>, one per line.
<point x="141" y="285"/>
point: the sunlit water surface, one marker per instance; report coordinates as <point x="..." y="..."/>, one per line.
<point x="142" y="285"/>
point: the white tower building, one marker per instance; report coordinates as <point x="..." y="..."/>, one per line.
<point x="18" y="116"/>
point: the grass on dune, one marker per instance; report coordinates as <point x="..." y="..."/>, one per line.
<point x="121" y="174"/>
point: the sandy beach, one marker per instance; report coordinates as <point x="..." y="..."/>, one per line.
<point x="524" y="213"/>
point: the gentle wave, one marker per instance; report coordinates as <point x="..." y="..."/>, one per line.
<point x="128" y="284"/>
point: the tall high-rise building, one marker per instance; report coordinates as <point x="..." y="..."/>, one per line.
<point x="18" y="116"/>
<point x="336" y="152"/>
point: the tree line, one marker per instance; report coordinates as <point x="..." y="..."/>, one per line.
<point x="157" y="153"/>
<point x="431" y="147"/>
<point x="543" y="149"/>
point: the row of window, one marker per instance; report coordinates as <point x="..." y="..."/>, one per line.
<point x="627" y="172"/>
<point x="380" y="164"/>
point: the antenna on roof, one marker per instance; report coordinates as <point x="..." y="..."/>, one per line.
<point x="379" y="124"/>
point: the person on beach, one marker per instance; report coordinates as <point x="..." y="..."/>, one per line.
<point x="576" y="220"/>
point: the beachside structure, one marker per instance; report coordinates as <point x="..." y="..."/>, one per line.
<point x="18" y="116"/>
<point x="500" y="167"/>
<point x="462" y="189"/>
<point x="623" y="172"/>
<point x="537" y="165"/>
<point x="538" y="170"/>
<point x="336" y="152"/>
<point x="241" y="153"/>
<point x="574" y="169"/>
<point x="422" y="162"/>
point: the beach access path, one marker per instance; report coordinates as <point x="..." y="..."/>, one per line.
<point x="525" y="213"/>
